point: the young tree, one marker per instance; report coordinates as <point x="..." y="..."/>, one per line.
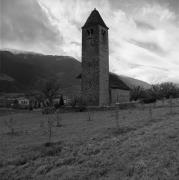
<point x="50" y="125"/>
<point x="117" y="118"/>
<point x="150" y="112"/>
<point x="90" y="115"/>
<point x="10" y="124"/>
<point x="58" y="119"/>
<point x="168" y="89"/>
<point x="170" y="105"/>
<point x="38" y="100"/>
<point x="49" y="89"/>
<point x="155" y="91"/>
<point x="136" y="93"/>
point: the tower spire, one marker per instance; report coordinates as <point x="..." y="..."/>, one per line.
<point x="94" y="19"/>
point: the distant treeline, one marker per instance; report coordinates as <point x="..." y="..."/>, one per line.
<point x="156" y="92"/>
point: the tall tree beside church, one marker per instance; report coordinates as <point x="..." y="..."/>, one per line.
<point x="49" y="89"/>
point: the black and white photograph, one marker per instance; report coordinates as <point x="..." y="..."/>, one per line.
<point x="89" y="89"/>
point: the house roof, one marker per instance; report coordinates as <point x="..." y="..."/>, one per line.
<point x="94" y="19"/>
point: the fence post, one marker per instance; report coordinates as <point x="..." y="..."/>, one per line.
<point x="171" y="105"/>
<point x="150" y="112"/>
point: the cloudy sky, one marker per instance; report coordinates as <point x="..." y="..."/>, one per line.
<point x="143" y="34"/>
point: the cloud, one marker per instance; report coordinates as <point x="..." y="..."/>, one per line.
<point x="151" y="46"/>
<point x="143" y="35"/>
<point x="144" y="25"/>
<point x="25" y="26"/>
<point x="69" y="18"/>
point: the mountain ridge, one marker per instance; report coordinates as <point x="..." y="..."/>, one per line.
<point x="24" y="69"/>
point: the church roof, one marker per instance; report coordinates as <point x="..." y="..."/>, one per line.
<point x="94" y="19"/>
<point x="116" y="83"/>
<point x="123" y="82"/>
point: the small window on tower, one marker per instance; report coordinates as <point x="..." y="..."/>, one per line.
<point x="88" y="32"/>
<point x="103" y="32"/>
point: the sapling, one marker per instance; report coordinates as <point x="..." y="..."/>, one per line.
<point x="154" y="104"/>
<point x="42" y="123"/>
<point x="10" y="124"/>
<point x="142" y="106"/>
<point x="58" y="119"/>
<point x="117" y="117"/>
<point x="124" y="116"/>
<point x="90" y="115"/>
<point x="150" y="112"/>
<point x="50" y="125"/>
<point x="163" y="101"/>
<point x="170" y="105"/>
<point x="130" y="111"/>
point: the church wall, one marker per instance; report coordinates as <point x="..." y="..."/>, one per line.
<point x="119" y="96"/>
<point x="104" y="67"/>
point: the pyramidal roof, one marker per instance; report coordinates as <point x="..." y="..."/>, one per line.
<point x="94" y="19"/>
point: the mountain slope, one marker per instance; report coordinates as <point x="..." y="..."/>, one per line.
<point x="27" y="68"/>
<point x="19" y="72"/>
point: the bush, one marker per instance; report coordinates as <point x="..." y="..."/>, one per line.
<point x="137" y="93"/>
<point x="168" y="90"/>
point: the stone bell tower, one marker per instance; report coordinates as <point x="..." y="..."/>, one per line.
<point x="95" y="61"/>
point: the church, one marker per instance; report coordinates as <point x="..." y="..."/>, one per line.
<point x="98" y="86"/>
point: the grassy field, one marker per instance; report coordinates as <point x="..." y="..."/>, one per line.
<point x="145" y="146"/>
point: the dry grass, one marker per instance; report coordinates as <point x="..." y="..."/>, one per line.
<point x="141" y="148"/>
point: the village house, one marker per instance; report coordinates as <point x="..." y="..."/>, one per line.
<point x="23" y="101"/>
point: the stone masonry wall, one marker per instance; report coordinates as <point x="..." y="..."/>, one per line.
<point x="104" y="67"/>
<point x="90" y="66"/>
<point x="95" y="66"/>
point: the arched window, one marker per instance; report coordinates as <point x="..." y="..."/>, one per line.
<point x="89" y="32"/>
<point x="103" y="32"/>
